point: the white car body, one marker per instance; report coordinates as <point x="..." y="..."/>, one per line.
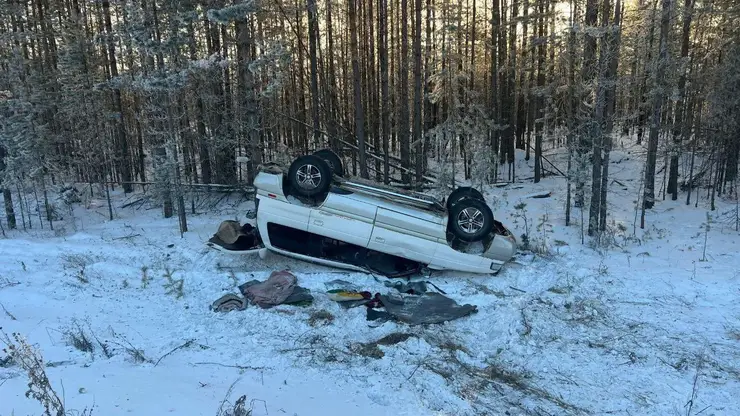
<point x="375" y="223"/>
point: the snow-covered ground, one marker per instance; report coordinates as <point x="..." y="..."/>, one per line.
<point x="642" y="328"/>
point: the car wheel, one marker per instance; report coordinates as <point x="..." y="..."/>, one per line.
<point x="309" y="176"/>
<point x="462" y="193"/>
<point x="470" y="220"/>
<point x="331" y="158"/>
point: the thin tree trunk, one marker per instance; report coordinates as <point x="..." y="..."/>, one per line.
<point x="357" y="77"/>
<point x="588" y="73"/>
<point x="613" y="43"/>
<point x="403" y="100"/>
<point x="678" y="124"/>
<point x="571" y="105"/>
<point x="649" y="197"/>
<point x="384" y="94"/>
<point x="428" y="106"/>
<point x="9" y="211"/>
<point x="248" y="97"/>
<point x="495" y="100"/>
<point x="417" y="95"/>
<point x="540" y="101"/>
<point x="122" y="156"/>
<point x="313" y="40"/>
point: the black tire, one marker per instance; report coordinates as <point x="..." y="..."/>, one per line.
<point x="318" y="180"/>
<point x="462" y="193"/>
<point x="470" y="220"/>
<point x="331" y="158"/>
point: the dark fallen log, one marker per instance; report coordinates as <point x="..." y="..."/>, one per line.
<point x="540" y="195"/>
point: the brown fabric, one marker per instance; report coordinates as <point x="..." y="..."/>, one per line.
<point x="229" y="302"/>
<point x="273" y="291"/>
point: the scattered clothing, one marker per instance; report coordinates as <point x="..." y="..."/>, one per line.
<point x="273" y="291"/>
<point x="300" y="297"/>
<point x="228" y="303"/>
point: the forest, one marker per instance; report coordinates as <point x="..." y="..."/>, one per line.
<point x="179" y="94"/>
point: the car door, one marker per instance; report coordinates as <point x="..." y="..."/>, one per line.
<point x="343" y="218"/>
<point x="272" y="210"/>
<point x="401" y="235"/>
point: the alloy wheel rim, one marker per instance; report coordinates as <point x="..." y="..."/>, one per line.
<point x="309" y="176"/>
<point x="470" y="220"/>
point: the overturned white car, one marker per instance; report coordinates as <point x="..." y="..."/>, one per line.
<point x="311" y="212"/>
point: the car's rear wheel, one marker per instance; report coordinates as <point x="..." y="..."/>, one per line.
<point x="332" y="159"/>
<point x="309" y="176"/>
<point x="461" y="193"/>
<point x="470" y="220"/>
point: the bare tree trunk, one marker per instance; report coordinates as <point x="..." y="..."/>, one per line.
<point x="384" y="94"/>
<point x="513" y="91"/>
<point x="9" y="211"/>
<point x="357" y="76"/>
<point x="596" y="130"/>
<point x="122" y="156"/>
<point x="417" y="95"/>
<point x="428" y="106"/>
<point x="495" y="94"/>
<point x="165" y="184"/>
<point x="540" y="101"/>
<point x="678" y="119"/>
<point x="7" y="195"/>
<point x="403" y="100"/>
<point x="313" y="40"/>
<point x="613" y="44"/>
<point x="642" y="112"/>
<point x="588" y="72"/>
<point x="248" y="98"/>
<point x="571" y="105"/>
<point x="649" y="196"/>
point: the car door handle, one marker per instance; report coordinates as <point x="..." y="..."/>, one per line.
<point x="380" y="239"/>
<point x="318" y="222"/>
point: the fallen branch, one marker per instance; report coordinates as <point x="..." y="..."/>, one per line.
<point x="10" y="315"/>
<point x="527" y="325"/>
<point x="185" y="345"/>
<point x="8" y="283"/>
<point x="132" y="203"/>
<point x="618" y="183"/>
<point x="421" y="362"/>
<point x="695" y="387"/>
<point x="548" y="161"/>
<point x="240" y="367"/>
<point x="127" y="236"/>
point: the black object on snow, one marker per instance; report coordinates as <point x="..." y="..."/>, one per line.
<point x="429" y="308"/>
<point x="235" y="237"/>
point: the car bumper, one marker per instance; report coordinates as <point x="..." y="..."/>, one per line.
<point x="502" y="248"/>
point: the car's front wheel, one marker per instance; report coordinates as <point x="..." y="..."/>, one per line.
<point x="309" y="176"/>
<point x="470" y="220"/>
